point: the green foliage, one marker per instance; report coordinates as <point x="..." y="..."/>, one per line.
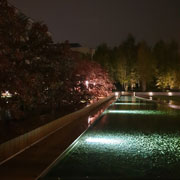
<point x="120" y="62"/>
<point x="138" y="66"/>
<point x="145" y="65"/>
<point x="167" y="65"/>
<point x="166" y="80"/>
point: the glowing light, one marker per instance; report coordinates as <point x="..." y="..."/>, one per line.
<point x="174" y="106"/>
<point x="151" y="93"/>
<point x="87" y="83"/>
<point x="145" y="112"/>
<point x="122" y="92"/>
<point x="6" y="94"/>
<point x="129" y="104"/>
<point x="169" y="93"/>
<point x="90" y="120"/>
<point x="124" y="149"/>
<point x="116" y="94"/>
<point x="144" y="144"/>
<point x="104" y="140"/>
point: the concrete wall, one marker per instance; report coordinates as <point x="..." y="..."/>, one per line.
<point x="19" y="144"/>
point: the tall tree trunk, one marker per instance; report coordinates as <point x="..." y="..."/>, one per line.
<point x="126" y="87"/>
<point x="144" y="86"/>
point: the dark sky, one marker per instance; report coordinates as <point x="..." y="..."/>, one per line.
<point x="91" y="22"/>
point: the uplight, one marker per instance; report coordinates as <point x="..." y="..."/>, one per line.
<point x="6" y="94"/>
<point x="130" y="104"/>
<point x="145" y="112"/>
<point x="150" y="93"/>
<point x="87" y="83"/>
<point x="104" y="140"/>
<point x="169" y="93"/>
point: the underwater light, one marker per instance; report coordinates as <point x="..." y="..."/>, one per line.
<point x="104" y="140"/>
<point x="145" y="112"/>
<point x="129" y="104"/>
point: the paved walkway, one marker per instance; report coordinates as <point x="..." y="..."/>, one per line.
<point x="29" y="164"/>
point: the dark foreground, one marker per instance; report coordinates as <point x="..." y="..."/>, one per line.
<point x="132" y="139"/>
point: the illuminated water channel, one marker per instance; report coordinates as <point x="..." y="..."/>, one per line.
<point x="133" y="138"/>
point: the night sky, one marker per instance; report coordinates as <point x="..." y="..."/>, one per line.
<point x="91" y="22"/>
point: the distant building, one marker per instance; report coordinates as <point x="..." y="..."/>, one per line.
<point x="84" y="50"/>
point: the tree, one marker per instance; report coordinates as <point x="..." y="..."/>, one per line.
<point x="145" y="65"/>
<point x="126" y="64"/>
<point x="167" y="66"/>
<point x="37" y="73"/>
<point x="105" y="56"/>
<point x="120" y="62"/>
<point x="166" y="80"/>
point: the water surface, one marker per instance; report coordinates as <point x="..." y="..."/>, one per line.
<point x="133" y="138"/>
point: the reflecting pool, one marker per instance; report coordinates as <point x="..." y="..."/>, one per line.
<point x="133" y="138"/>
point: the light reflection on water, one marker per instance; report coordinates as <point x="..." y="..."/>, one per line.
<point x="143" y="112"/>
<point x="130" y="104"/>
<point x="96" y="113"/>
<point x="127" y="141"/>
